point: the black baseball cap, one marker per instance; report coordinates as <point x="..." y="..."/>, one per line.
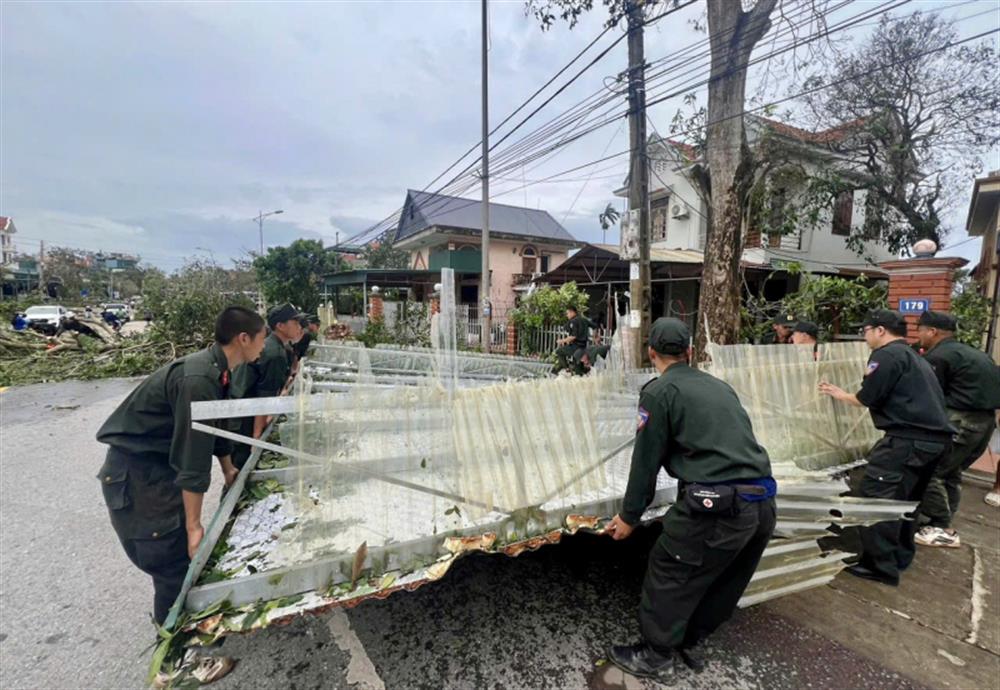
<point x="886" y="318"/>
<point x="785" y="319"/>
<point x="282" y="313"/>
<point x="938" y="319"/>
<point x="807" y="327"/>
<point x="669" y="333"/>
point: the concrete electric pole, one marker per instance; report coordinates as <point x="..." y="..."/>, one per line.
<point x="638" y="193"/>
<point x="485" y="315"/>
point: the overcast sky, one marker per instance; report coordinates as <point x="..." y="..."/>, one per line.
<point x="161" y="128"/>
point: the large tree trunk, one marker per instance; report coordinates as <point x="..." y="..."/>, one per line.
<point x="734" y="33"/>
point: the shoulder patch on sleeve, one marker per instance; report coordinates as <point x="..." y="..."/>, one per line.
<point x="872" y="366"/>
<point x="643" y="417"/>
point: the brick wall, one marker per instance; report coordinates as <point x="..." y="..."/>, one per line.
<point x="921" y="278"/>
<point x="511" y="338"/>
<point x="376" y="307"/>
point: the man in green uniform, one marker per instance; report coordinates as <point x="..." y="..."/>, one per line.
<point x="905" y="401"/>
<point x="573" y="346"/>
<point x="693" y="425"/>
<point x="266" y="377"/>
<point x="310" y="329"/>
<point x="781" y="330"/>
<point x="158" y="469"/>
<point x="806" y="333"/>
<point x="971" y="384"/>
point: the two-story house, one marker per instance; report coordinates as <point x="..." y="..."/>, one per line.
<point x="678" y="213"/>
<point x="443" y="231"/>
<point x="7" y="231"/>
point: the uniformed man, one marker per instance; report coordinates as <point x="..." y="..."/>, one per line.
<point x="573" y="346"/>
<point x="158" y="469"/>
<point x="806" y="333"/>
<point x="693" y="425"/>
<point x="268" y="376"/>
<point x="781" y="330"/>
<point x="905" y="401"/>
<point x="971" y="384"/>
<point x="310" y="329"/>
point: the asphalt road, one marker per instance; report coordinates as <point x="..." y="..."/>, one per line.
<point x="74" y="612"/>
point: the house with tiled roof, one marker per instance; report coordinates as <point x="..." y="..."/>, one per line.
<point x="678" y="213"/>
<point x="442" y="231"/>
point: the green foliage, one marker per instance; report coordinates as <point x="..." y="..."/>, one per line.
<point x="375" y="332"/>
<point x="295" y="273"/>
<point x="382" y="254"/>
<point x="547" y="306"/>
<point x="186" y="304"/>
<point x="834" y="304"/>
<point x="608" y="217"/>
<point x="972" y="310"/>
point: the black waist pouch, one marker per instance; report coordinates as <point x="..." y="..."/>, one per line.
<point x="705" y="498"/>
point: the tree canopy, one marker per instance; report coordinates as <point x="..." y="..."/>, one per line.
<point x="295" y="273"/>
<point x="918" y="112"/>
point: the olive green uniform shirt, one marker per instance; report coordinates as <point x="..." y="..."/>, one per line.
<point x="969" y="378"/>
<point x="267" y="376"/>
<point x="693" y="425"/>
<point x="155" y="419"/>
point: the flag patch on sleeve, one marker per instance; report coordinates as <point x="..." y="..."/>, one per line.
<point x="643" y="418"/>
<point x="872" y="366"/>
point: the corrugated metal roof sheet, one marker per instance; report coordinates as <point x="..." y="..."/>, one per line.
<point x="677" y="256"/>
<point x="423" y="210"/>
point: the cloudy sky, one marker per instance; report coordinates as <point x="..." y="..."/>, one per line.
<point x="161" y="128"/>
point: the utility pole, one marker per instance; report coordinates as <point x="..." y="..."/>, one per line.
<point x="638" y="193"/>
<point x="41" y="268"/>
<point x="485" y="315"/>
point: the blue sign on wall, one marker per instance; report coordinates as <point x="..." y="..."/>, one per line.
<point x="914" y="305"/>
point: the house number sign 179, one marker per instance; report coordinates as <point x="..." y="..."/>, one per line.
<point x="914" y="305"/>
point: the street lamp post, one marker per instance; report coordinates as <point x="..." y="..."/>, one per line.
<point x="260" y="227"/>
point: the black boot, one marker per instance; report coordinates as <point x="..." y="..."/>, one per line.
<point x="643" y="661"/>
<point x="692" y="658"/>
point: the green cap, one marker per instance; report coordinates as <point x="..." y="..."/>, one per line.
<point x="667" y="332"/>
<point x="281" y="313"/>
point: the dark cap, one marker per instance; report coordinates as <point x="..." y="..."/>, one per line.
<point x="281" y="313"/>
<point x="807" y="327"/>
<point x="669" y="333"/>
<point x="785" y="319"/>
<point x="938" y="319"/>
<point x="888" y="319"/>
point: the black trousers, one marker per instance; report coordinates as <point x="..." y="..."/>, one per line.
<point x="147" y="514"/>
<point x="698" y="570"/>
<point x="566" y="354"/>
<point x="900" y="469"/>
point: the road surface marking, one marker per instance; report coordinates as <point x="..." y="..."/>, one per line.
<point x="360" y="669"/>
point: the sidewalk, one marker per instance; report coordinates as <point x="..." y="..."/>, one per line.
<point x="940" y="627"/>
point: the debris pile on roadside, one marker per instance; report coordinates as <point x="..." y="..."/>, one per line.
<point x="84" y="348"/>
<point x="338" y="331"/>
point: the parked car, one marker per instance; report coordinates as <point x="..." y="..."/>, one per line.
<point x="48" y="318"/>
<point x="121" y="310"/>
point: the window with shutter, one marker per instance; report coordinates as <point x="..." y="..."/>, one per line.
<point x="843" y="210"/>
<point x="659" y="210"/>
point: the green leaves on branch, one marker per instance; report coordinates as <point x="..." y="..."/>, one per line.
<point x="295" y="273"/>
<point x="546" y="306"/>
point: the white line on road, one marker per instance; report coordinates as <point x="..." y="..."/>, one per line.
<point x="360" y="669"/>
<point x="979" y="593"/>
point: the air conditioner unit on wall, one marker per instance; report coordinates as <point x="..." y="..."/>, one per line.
<point x="679" y="210"/>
